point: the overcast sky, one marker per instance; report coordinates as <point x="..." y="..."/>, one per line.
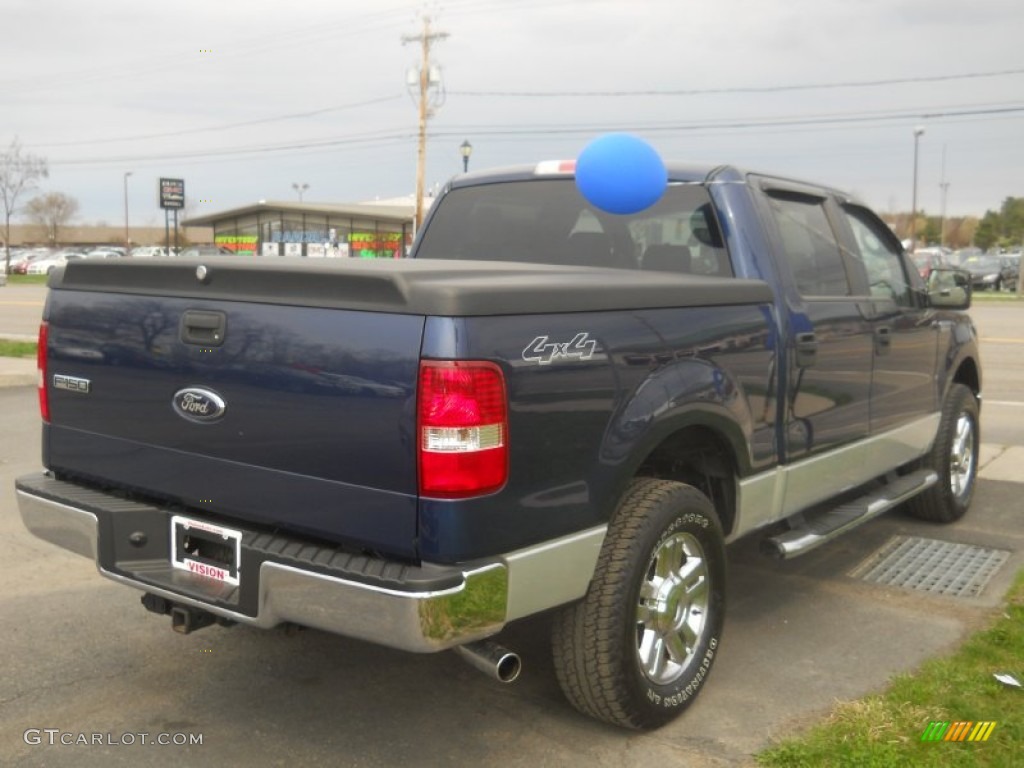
<point x="243" y="99"/>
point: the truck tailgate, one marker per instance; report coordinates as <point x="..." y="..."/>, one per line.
<point x="293" y="417"/>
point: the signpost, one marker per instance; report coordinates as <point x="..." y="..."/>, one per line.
<point x="172" y="198"/>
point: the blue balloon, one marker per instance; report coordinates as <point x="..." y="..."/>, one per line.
<point x="619" y="173"/>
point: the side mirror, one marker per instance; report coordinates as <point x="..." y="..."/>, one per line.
<point x="949" y="288"/>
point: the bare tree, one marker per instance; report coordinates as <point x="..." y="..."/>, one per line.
<point x="52" y="211"/>
<point x="19" y="173"/>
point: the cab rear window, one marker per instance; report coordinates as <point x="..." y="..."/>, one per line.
<point x="549" y="222"/>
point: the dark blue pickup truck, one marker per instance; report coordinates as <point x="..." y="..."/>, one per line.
<point x="547" y="407"/>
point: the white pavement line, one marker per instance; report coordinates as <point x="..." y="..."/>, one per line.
<point x="1007" y="403"/>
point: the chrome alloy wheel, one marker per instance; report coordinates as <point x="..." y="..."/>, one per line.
<point x="672" y="608"/>
<point x="961" y="456"/>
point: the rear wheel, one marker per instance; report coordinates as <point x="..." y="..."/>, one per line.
<point x="954" y="457"/>
<point x="637" y="649"/>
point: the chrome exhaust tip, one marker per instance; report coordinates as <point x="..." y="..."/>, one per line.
<point x="492" y="659"/>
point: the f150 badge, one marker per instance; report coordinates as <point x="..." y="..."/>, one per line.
<point x="544" y="351"/>
<point x="199" y="405"/>
<point x="71" y="383"/>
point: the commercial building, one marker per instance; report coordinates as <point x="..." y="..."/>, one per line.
<point x="272" y="228"/>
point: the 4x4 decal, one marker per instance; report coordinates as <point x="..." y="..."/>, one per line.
<point x="545" y="352"/>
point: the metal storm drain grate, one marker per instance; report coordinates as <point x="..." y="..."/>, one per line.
<point x="929" y="565"/>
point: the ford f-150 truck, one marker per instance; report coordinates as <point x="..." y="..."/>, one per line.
<point x="547" y="407"/>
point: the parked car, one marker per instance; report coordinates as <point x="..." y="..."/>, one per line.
<point x="20" y="263"/>
<point x="148" y="252"/>
<point x="926" y="261"/>
<point x="21" y="266"/>
<point x="203" y="251"/>
<point x="988" y="273"/>
<point x="47" y="265"/>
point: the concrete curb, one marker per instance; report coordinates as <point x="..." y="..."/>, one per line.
<point x="18" y="372"/>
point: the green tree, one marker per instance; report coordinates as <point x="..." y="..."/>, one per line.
<point x="1012" y="215"/>
<point x="20" y="172"/>
<point x="989" y="230"/>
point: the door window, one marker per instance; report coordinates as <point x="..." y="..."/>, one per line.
<point x="809" y="245"/>
<point x="881" y="257"/>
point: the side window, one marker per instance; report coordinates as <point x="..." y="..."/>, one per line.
<point x="809" y="245"/>
<point x="881" y="257"/>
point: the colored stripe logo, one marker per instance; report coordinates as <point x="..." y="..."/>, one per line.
<point x="961" y="730"/>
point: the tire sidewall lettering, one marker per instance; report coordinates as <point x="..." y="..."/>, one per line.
<point x="682" y="691"/>
<point x="696" y="518"/>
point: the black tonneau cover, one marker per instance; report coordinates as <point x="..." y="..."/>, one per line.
<point x="408" y="286"/>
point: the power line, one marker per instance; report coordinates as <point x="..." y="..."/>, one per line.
<point x="739" y="123"/>
<point x="224" y="127"/>
<point x="744" y="89"/>
<point x="212" y="153"/>
<point x="398" y="135"/>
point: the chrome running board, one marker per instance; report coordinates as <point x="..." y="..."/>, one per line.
<point x="829" y="525"/>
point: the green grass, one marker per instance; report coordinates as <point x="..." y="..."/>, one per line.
<point x="995" y="296"/>
<point x="885" y="730"/>
<point x="26" y="279"/>
<point x="17" y="348"/>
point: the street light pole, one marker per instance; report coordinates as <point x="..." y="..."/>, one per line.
<point x="944" y="186"/>
<point x="127" y="235"/>
<point x="300" y="188"/>
<point x="465" y="149"/>
<point x="918" y="131"/>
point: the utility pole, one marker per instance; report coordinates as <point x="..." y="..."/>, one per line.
<point x="428" y="77"/>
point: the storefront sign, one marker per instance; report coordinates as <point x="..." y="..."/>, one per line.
<point x="243" y="245"/>
<point x="172" y="193"/>
<point x="380" y="245"/>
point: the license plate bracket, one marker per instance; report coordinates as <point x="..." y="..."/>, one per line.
<point x="206" y="550"/>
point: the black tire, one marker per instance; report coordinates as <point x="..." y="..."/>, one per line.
<point x="598" y="642"/>
<point x="954" y="457"/>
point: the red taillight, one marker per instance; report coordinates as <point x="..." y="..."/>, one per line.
<point x="462" y="429"/>
<point x="44" y="398"/>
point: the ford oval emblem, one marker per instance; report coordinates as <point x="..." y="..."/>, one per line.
<point x="199" y="405"/>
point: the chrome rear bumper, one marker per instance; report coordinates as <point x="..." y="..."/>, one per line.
<point x="423" y="609"/>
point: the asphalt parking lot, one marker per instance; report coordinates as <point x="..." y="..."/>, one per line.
<point x="81" y="656"/>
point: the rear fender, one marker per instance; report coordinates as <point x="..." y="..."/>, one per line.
<point x="685" y="394"/>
